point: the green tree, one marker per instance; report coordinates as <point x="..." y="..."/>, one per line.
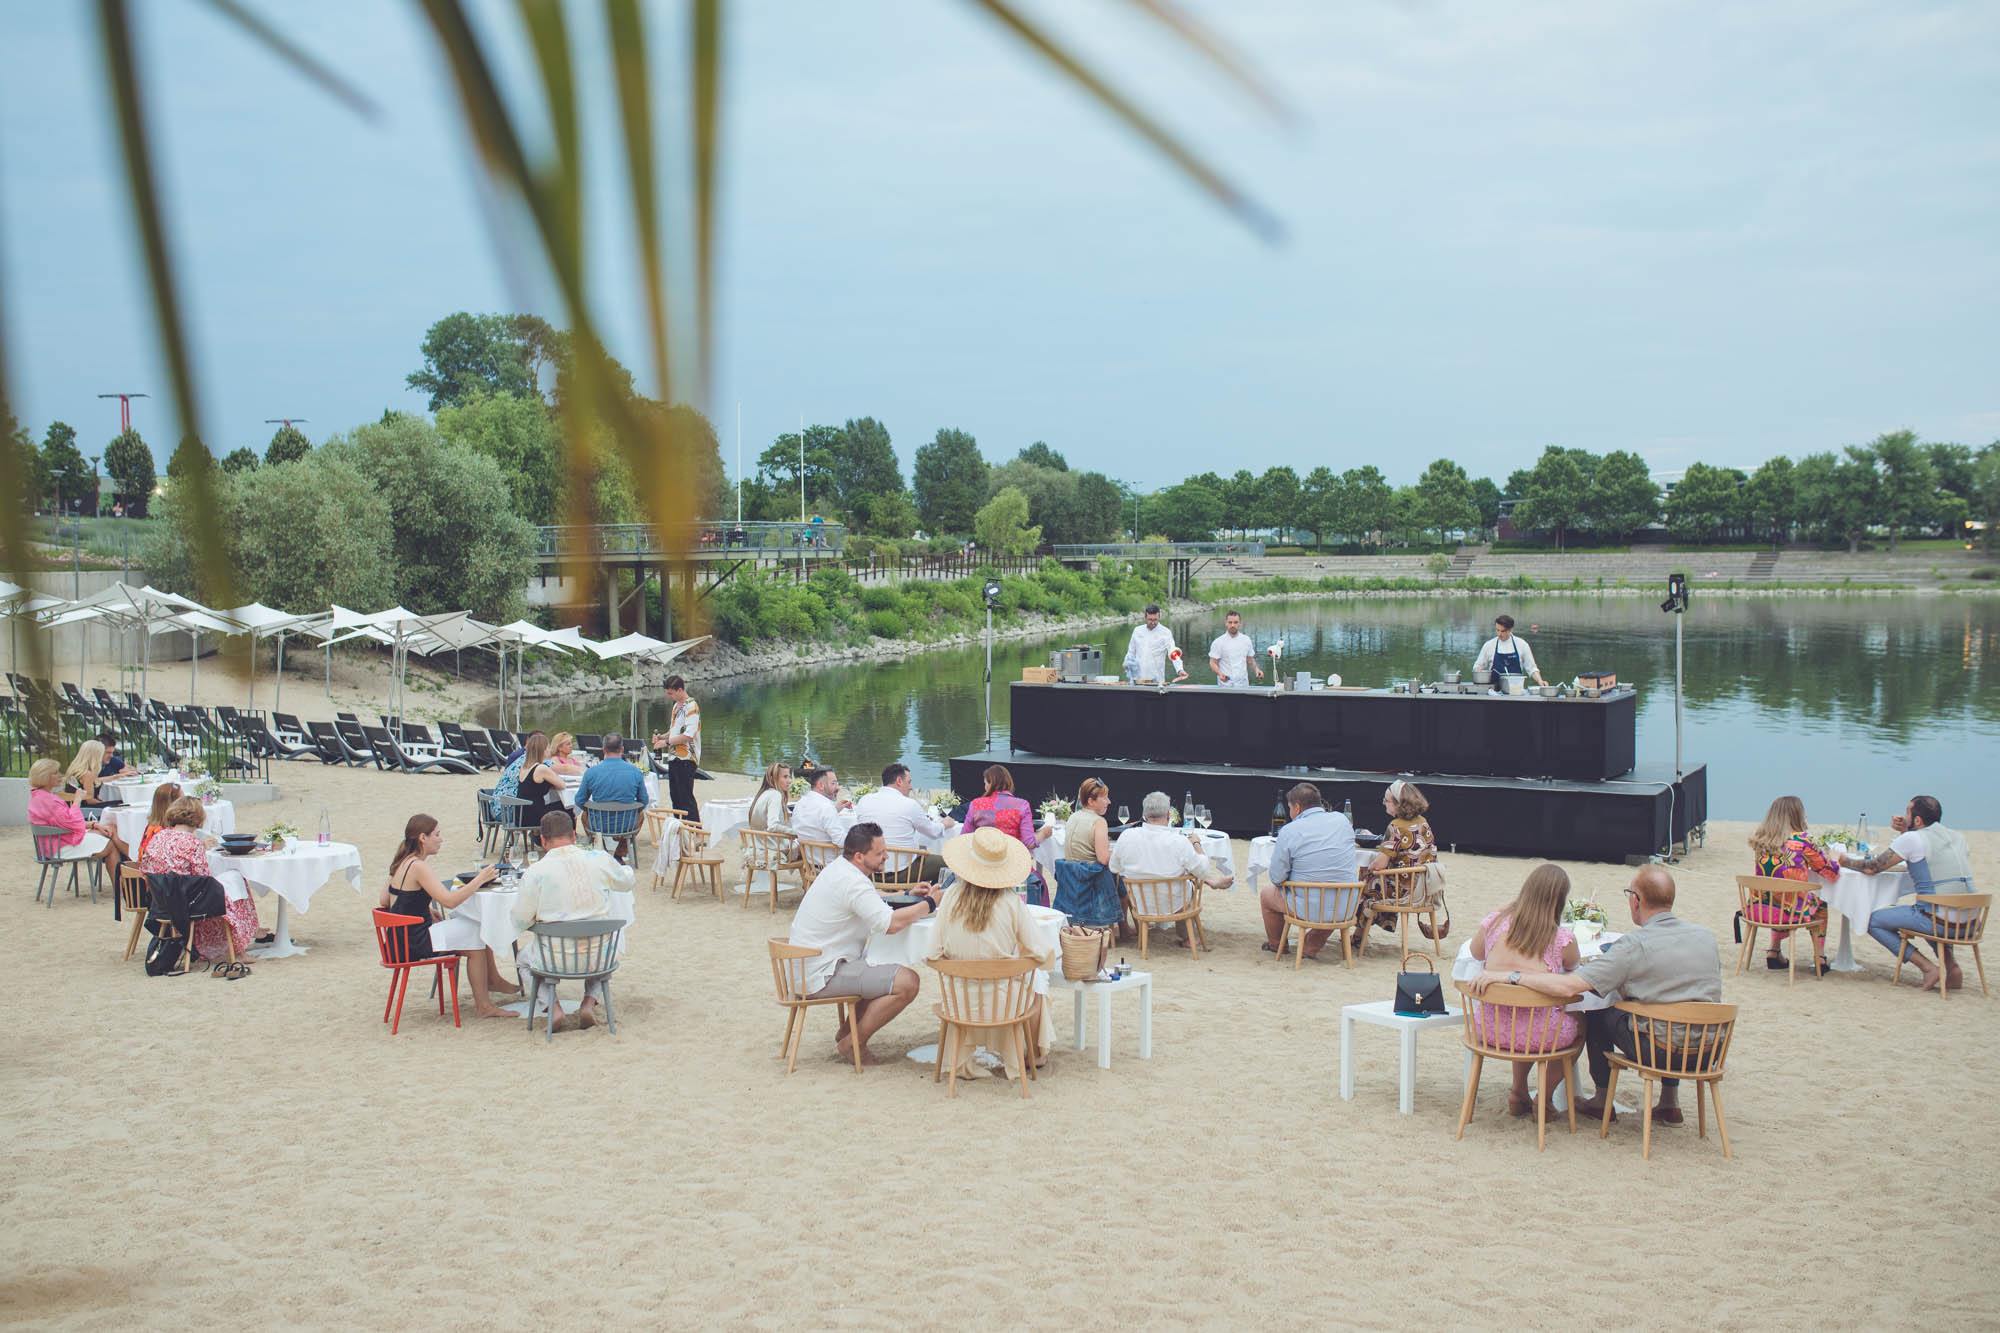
<point x="1707" y="501"/>
<point x="240" y="459"/>
<point x="190" y="456"/>
<point x="467" y="354"/>
<point x="1098" y="506"/>
<point x="129" y="464"/>
<point x="1189" y="511"/>
<point x="1554" y="495"/>
<point x="288" y="445"/>
<point x="1770" y="500"/>
<point x="68" y="470"/>
<point x="1985" y="487"/>
<point x="1364" y="505"/>
<point x="1835" y="495"/>
<point x="519" y="435"/>
<point x="1486" y="496"/>
<point x="1316" y="501"/>
<point x="864" y="464"/>
<point x="1278" y="500"/>
<point x="778" y="467"/>
<point x="1622" y="497"/>
<point x="891" y="515"/>
<point x="949" y="478"/>
<point x="1903" y="497"/>
<point x="1952" y="465"/>
<point x="456" y="542"/>
<point x="1051" y="496"/>
<point x="1002" y="525"/>
<point x="20" y="457"/>
<point x="707" y="481"/>
<point x="1444" y="499"/>
<point x="1041" y="455"/>
<point x="1239" y="499"/>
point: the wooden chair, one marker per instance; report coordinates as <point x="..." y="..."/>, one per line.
<point x="788" y="969"/>
<point x="393" y="940"/>
<point x="695" y="862"/>
<point x="1957" y="919"/>
<point x="986" y="995"/>
<point x="132" y="902"/>
<point x="1776" y="897"/>
<point x="1526" y="1026"/>
<point x="817" y="857"/>
<point x="1686" y="1041"/>
<point x="894" y="881"/>
<point x="768" y="853"/>
<point x="1298" y="901"/>
<point x="1159" y="901"/>
<point x="1404" y="895"/>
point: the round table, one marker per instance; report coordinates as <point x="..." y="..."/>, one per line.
<point x="726" y="815"/>
<point x="911" y="946"/>
<point x="138" y="791"/>
<point x="295" y="875"/>
<point x="1856" y="897"/>
<point x="130" y="821"/>
<point x="484" y="921"/>
<point x="568" y="793"/>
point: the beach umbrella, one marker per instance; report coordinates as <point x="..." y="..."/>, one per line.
<point x="18" y="604"/>
<point x="261" y="622"/>
<point x="521" y="634"/>
<point x="140" y="608"/>
<point x="195" y="623"/>
<point x="642" y="648"/>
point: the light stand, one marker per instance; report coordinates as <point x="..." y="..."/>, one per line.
<point x="1676" y="605"/>
<point x="991" y="592"/>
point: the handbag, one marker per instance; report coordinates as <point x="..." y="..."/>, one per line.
<point x="1419" y="994"/>
<point x="163" y="954"/>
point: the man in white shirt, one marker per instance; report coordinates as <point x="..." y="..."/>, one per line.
<point x="837" y="915"/>
<point x="816" y="817"/>
<point x="1938" y="862"/>
<point x="1233" y="656"/>
<point x="569" y="883"/>
<point x="1155" y="851"/>
<point x="1150" y="654"/>
<point x="1507" y="654"/>
<point x="903" y="820"/>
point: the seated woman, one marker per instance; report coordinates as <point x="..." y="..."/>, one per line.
<point x="767" y="808"/>
<point x="82" y="778"/>
<point x="539" y="781"/>
<point x="164" y="796"/>
<point x="1408" y="841"/>
<point x="1086" y="890"/>
<point x="998" y="807"/>
<point x="1784" y="851"/>
<point x="1527" y="935"/>
<point x="80" y="839"/>
<point x="179" y="849"/>
<point x="982" y="916"/>
<point x="414" y="889"/>
<point x="562" y="754"/>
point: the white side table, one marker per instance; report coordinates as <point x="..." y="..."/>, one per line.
<point x="1382" y="1013"/>
<point x="1140" y="981"/>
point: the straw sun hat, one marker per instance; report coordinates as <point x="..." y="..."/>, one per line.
<point x="988" y="858"/>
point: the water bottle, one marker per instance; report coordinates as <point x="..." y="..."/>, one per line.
<point x="1861" y="847"/>
<point x="325" y="827"/>
<point x="1187" y="810"/>
<point x="1347" y="809"/>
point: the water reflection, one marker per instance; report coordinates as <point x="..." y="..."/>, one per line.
<point x="1851" y="702"/>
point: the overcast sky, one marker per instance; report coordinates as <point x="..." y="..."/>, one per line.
<point x="1691" y="230"/>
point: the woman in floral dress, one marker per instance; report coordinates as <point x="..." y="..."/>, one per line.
<point x="1784" y="851"/>
<point x="178" y="849"/>
<point x="1408" y="841"/>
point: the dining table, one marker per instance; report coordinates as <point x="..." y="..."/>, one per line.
<point x="911" y="946"/>
<point x="1855" y="897"/>
<point x="138" y="790"/>
<point x="294" y="874"/>
<point x="1465" y="967"/>
<point x="218" y="817"/>
<point x="484" y="921"/>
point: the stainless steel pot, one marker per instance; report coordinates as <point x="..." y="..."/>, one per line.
<point x="1548" y="691"/>
<point x="1450" y="678"/>
<point x="1482" y="676"/>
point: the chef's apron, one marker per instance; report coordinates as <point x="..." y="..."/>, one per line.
<point x="1506" y="662"/>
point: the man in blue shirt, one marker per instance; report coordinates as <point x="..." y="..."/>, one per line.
<point x="613" y="779"/>
<point x="114" y="765"/>
<point x="1316" y="847"/>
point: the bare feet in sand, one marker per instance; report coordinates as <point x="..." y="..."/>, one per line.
<point x="497" y="1012"/>
<point x="846" y="1050"/>
<point x="1520" y="1104"/>
<point x="587" y="1016"/>
<point x="1931" y="976"/>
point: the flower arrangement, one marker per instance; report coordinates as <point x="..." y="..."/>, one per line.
<point x="798" y="788"/>
<point x="866" y="788"/>
<point x="207" y="790"/>
<point x="1057" y="809"/>
<point x="943" y="799"/>
<point x="1826" y="837"/>
<point x="1587" y="910"/>
<point x="191" y="768"/>
<point x="279" y="833"/>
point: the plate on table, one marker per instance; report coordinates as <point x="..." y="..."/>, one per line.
<point x="901" y="899"/>
<point x="1363" y="838"/>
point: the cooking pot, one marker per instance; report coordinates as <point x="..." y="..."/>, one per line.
<point x="1450" y="678"/>
<point x="1548" y="691"/>
<point x="1482" y="675"/>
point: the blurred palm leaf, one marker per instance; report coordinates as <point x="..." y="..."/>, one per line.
<point x="550" y="191"/>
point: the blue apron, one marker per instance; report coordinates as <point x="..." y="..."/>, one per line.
<point x="1506" y="662"/>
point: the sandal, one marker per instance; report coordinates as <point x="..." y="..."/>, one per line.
<point x="1775" y="962"/>
<point x="268" y="937"/>
<point x="1822" y="966"/>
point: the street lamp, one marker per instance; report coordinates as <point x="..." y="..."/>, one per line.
<point x="991" y="592"/>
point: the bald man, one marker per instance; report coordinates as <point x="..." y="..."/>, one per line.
<point x="1664" y="961"/>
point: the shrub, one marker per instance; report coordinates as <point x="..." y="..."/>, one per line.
<point x="1986" y="573"/>
<point x="885" y="625"/>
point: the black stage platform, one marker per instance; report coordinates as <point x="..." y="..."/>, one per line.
<point x="1643" y="813"/>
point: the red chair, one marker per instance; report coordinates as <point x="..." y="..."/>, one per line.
<point x="392" y="937"/>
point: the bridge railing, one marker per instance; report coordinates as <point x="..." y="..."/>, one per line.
<point x="1155" y="550"/>
<point x="715" y="539"/>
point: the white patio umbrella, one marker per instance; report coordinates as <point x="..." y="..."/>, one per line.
<point x="643" y="648"/>
<point x="261" y="622"/>
<point x="520" y="633"/>
<point x="141" y="608"/>
<point x="18" y="604"/>
<point x="196" y="624"/>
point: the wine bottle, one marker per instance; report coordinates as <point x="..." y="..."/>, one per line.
<point x="1347" y="809"/>
<point x="1280" y="816"/>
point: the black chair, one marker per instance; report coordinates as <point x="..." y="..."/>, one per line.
<point x="331" y="740"/>
<point x="592" y="745"/>
<point x="390" y="755"/>
<point x="481" y="750"/>
<point x="263" y="743"/>
<point x="455" y="742"/>
<point x="357" y="739"/>
<point x="290" y="730"/>
<point x="503" y="740"/>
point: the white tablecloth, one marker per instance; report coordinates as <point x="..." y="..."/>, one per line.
<point x="130" y="821"/>
<point x="139" y="790"/>
<point x="911" y="947"/>
<point x="568" y="793"/>
<point x="725" y="816"/>
<point x="1855" y="896"/>
<point x="1259" y="863"/>
<point x="1465" y="967"/>
<point x="482" y="921"/>
<point x="295" y="874"/>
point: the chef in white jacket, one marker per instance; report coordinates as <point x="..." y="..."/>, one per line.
<point x="1149" y="657"/>
<point x="1233" y="656"/>
<point x="1507" y="654"/>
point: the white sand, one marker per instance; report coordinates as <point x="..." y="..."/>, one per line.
<point x="186" y="1150"/>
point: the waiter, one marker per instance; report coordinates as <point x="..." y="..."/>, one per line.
<point x="682" y="741"/>
<point x="1506" y="654"/>
<point x="1151" y="650"/>
<point x="1233" y="656"/>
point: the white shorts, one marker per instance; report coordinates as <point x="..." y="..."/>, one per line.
<point x="92" y="844"/>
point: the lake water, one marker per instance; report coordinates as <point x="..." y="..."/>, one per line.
<point x="1853" y="703"/>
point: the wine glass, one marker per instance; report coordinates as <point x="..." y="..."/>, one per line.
<point x="1124" y="815"/>
<point x="1201" y="815"/>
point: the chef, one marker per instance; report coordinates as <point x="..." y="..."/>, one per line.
<point x="1232" y="657"/>
<point x="1505" y="654"/>
<point x="1151" y="651"/>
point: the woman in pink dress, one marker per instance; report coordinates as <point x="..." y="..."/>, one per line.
<point x="1527" y="935"/>
<point x="998" y="807"/>
<point x="178" y="849"/>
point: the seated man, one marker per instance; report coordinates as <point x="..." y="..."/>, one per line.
<point x="1938" y="862"/>
<point x="1315" y="847"/>
<point x="613" y="779"/>
<point x="114" y="765"/>
<point x="1154" y="851"/>
<point x="904" y="822"/>
<point x="817" y="816"/>
<point x="1664" y="961"/>
<point x="569" y="883"/>
<point x="837" y="915"/>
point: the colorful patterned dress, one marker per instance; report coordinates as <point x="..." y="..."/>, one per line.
<point x="1799" y="859"/>
<point x="1015" y="818"/>
<point x="180" y="851"/>
<point x="1407" y="842"/>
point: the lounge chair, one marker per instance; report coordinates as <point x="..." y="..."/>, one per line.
<point x="390" y="755"/>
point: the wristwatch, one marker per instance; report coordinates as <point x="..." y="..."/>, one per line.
<point x="1513" y="978"/>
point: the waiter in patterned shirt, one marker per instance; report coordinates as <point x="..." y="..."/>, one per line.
<point x="682" y="741"/>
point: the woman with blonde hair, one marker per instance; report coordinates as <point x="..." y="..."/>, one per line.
<point x="79" y="839"/>
<point x="1528" y="935"/>
<point x="1086" y="890"/>
<point x="539" y="781"/>
<point x="562" y="756"/>
<point x="1784" y="851"/>
<point x="414" y="889"/>
<point x="982" y="916"/>
<point x="81" y="776"/>
<point x="767" y="807"/>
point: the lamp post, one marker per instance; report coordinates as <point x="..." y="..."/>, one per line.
<point x="991" y="592"/>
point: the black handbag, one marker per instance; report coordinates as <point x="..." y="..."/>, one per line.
<point x="1419" y="993"/>
<point x="163" y="955"/>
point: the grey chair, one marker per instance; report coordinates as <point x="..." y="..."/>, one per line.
<point x="572" y="951"/>
<point x="48" y="856"/>
<point x="507" y="823"/>
<point x="614" y="820"/>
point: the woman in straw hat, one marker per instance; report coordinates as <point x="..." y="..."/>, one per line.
<point x="982" y="916"/>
